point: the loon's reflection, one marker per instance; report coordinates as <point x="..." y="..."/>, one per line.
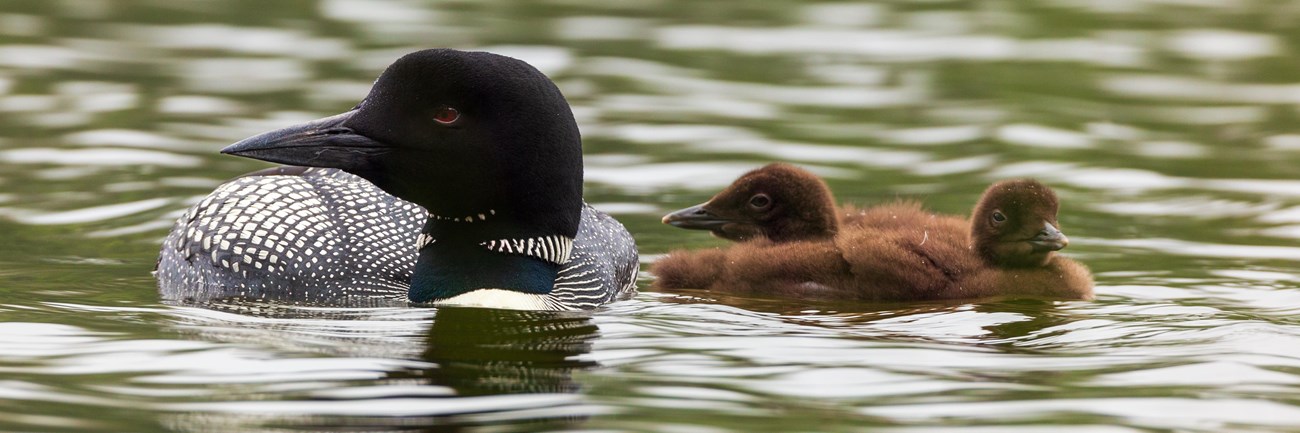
<point x="458" y="370"/>
<point x="483" y="351"/>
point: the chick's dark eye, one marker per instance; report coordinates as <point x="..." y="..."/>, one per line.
<point x="760" y="201"/>
<point x="999" y="217"/>
<point x="446" y="115"/>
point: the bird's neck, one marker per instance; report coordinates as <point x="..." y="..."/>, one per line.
<point x="820" y="224"/>
<point x="459" y="257"/>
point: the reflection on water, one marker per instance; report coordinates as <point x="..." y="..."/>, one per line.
<point x="466" y="366"/>
<point x="1166" y="126"/>
<point x="250" y="365"/>
<point x="488" y="352"/>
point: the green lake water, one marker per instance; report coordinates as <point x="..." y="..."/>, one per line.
<point x="1168" y="128"/>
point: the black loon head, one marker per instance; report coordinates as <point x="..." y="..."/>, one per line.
<point x="460" y="133"/>
<point x="486" y="143"/>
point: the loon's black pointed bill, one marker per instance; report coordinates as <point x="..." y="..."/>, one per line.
<point x="695" y="218"/>
<point x="1049" y="239"/>
<point x="318" y="143"/>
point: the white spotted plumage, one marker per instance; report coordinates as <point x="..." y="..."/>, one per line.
<point x="283" y="229"/>
<point x="326" y="236"/>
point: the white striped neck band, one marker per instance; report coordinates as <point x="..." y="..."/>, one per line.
<point x="555" y="248"/>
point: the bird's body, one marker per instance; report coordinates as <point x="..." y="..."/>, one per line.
<point x="302" y="236"/>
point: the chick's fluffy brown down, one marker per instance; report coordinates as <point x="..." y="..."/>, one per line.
<point x="899" y="252"/>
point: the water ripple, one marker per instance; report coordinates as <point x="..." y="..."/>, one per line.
<point x="98" y="157"/>
<point x="1165" y="125"/>
<point x="79" y="216"/>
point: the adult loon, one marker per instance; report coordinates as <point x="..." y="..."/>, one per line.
<point x="472" y="195"/>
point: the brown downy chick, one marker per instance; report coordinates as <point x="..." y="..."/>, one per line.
<point x="782" y="203"/>
<point x="779" y="202"/>
<point x="1006" y="248"/>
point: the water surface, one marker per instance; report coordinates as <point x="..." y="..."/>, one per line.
<point x="1166" y="126"/>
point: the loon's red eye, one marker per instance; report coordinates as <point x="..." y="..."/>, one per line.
<point x="446" y="115"/>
